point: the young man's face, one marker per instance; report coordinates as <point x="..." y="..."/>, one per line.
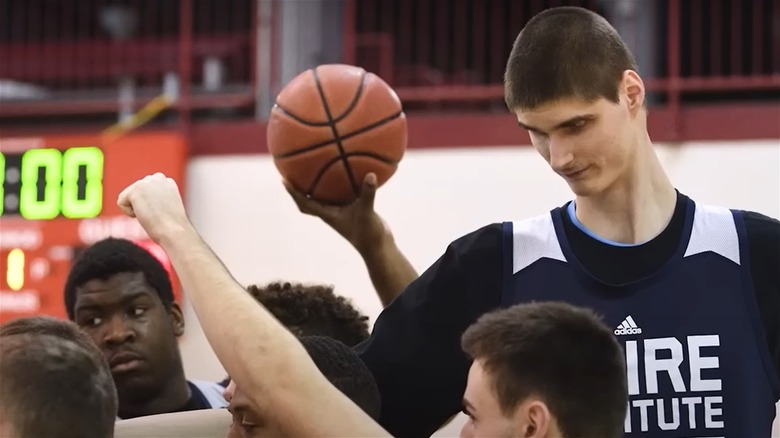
<point x="125" y="317"/>
<point x="591" y="145"/>
<point x="480" y="404"/>
<point x="530" y="419"/>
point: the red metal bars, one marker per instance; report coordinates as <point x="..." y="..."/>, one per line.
<point x="76" y="51"/>
<point x="451" y="50"/>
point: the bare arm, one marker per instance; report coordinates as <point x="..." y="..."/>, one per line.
<point x="389" y="269"/>
<point x="264" y="359"/>
<point x="367" y="232"/>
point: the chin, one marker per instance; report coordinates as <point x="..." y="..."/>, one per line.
<point x="586" y="187"/>
<point x="136" y="389"/>
<point x="583" y="188"/>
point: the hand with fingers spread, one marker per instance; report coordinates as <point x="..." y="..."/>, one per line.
<point x="389" y="269"/>
<point x="156" y="202"/>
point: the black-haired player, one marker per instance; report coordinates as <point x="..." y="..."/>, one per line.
<point x="121" y="296"/>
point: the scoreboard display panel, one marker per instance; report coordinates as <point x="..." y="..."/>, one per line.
<point x="58" y="196"/>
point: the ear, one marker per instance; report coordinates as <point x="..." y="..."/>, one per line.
<point x="538" y="420"/>
<point x="177" y="319"/>
<point x="633" y="89"/>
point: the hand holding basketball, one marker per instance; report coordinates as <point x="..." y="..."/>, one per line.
<point x="332" y="126"/>
<point x="356" y="222"/>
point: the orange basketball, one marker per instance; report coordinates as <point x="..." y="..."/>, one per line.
<point x="331" y="126"/>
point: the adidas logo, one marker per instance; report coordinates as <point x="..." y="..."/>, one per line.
<point x="628" y="327"/>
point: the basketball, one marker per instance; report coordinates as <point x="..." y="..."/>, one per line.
<point x="333" y="125"/>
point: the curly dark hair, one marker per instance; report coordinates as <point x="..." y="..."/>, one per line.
<point x="313" y="310"/>
<point x="110" y="257"/>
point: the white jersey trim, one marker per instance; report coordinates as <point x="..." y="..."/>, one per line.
<point x="714" y="230"/>
<point x="213" y="393"/>
<point x="534" y="239"/>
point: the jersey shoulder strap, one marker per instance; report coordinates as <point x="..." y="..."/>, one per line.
<point x="714" y="230"/>
<point x="531" y="240"/>
<point x="212" y="392"/>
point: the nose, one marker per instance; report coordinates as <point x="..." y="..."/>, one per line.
<point x="560" y="154"/>
<point x="229" y="391"/>
<point x="118" y="331"/>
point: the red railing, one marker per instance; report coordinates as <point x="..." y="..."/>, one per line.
<point x="454" y="51"/>
<point x="74" y="54"/>
<point x="438" y="54"/>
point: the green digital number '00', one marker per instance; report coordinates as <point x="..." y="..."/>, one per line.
<point x="60" y="174"/>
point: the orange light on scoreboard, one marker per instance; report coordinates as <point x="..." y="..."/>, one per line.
<point x="14" y="275"/>
<point x="57" y="197"/>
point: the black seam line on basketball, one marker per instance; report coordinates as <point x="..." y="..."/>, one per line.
<point x="354" y="102"/>
<point x="298" y="119"/>
<point x="304" y="150"/>
<point x="343" y="137"/>
<point x="335" y="160"/>
<point x="321" y="173"/>
<point x="349" y="109"/>
<point x="335" y="131"/>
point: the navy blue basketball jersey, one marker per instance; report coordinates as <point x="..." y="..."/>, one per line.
<point x="696" y="354"/>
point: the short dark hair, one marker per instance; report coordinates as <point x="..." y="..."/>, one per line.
<point x="563" y="354"/>
<point x="346" y="371"/>
<point x="565" y="52"/>
<point x="56" y="383"/>
<point x="46" y="325"/>
<point x="110" y="257"/>
<point x="313" y="310"/>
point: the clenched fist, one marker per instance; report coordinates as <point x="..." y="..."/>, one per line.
<point x="156" y="202"/>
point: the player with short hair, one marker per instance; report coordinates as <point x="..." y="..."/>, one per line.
<point x="693" y="291"/>
<point x="121" y="296"/>
<point x="55" y="382"/>
<point x="537" y="368"/>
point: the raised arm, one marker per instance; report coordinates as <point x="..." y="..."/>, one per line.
<point x="369" y="234"/>
<point x="264" y="359"/>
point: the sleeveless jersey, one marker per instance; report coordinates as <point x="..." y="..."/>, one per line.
<point x="696" y="354"/>
<point x="212" y="392"/>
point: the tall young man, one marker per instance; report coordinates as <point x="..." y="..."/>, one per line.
<point x="693" y="291"/>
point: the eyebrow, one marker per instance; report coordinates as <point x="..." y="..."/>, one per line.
<point x="565" y="124"/>
<point x="127" y="299"/>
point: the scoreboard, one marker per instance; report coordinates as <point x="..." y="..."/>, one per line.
<point x="58" y="196"/>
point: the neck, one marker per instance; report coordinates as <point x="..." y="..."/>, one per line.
<point x="636" y="208"/>
<point x="174" y="396"/>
